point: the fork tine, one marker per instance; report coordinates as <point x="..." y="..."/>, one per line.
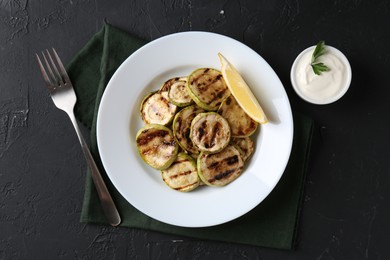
<point x="43" y="71"/>
<point x="55" y="68"/>
<point x="62" y="68"/>
<point x="51" y="73"/>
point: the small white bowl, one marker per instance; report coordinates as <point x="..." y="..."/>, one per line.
<point x="342" y="90"/>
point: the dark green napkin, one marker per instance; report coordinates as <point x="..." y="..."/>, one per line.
<point x="271" y="224"/>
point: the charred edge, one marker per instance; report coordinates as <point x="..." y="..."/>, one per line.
<point x="222" y="175"/>
<point x="142" y="140"/>
<point x="253" y="124"/>
<point x="180" y="174"/>
<point x="167" y="85"/>
<point x="187" y="136"/>
<point x="228" y="100"/>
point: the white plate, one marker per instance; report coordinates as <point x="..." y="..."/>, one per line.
<point x="119" y="120"/>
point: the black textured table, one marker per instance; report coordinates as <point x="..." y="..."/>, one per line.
<point x="345" y="211"/>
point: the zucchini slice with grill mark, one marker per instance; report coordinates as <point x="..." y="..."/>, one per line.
<point x="207" y="88"/>
<point x="240" y="123"/>
<point x="220" y="168"/>
<point x="157" y="146"/>
<point x="210" y="132"/>
<point x="177" y="91"/>
<point x="157" y="109"/>
<point x="181" y="128"/>
<point x="182" y="175"/>
<point x="245" y="145"/>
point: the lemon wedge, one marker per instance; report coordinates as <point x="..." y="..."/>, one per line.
<point x="241" y="91"/>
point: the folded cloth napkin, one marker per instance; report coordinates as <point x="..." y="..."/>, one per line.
<point x="273" y="223"/>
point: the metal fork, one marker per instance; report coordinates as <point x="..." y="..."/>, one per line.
<point x="64" y="97"/>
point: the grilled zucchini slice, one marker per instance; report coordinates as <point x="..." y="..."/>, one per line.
<point x="157" y="109"/>
<point x="207" y="88"/>
<point x="182" y="175"/>
<point x="240" y="123"/>
<point x="157" y="146"/>
<point x="177" y="91"/>
<point x="181" y="128"/>
<point x="210" y="132"/>
<point x="245" y="145"/>
<point x="220" y="168"/>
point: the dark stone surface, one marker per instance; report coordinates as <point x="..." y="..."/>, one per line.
<point x="346" y="207"/>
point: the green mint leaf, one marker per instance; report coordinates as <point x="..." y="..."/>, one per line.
<point x="318" y="51"/>
<point x="318" y="67"/>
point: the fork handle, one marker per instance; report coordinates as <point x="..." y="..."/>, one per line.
<point x="107" y="203"/>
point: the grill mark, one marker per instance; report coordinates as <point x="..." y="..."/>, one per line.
<point x="202" y="130"/>
<point x="232" y="160"/>
<point x="183" y="187"/>
<point x="211" y="155"/>
<point x="219" y="91"/>
<point x="215" y="79"/>
<point x="180" y="174"/>
<point x="180" y="161"/>
<point x="222" y="175"/>
<point x="203" y="85"/>
<point x="195" y="79"/>
<point x="213" y="165"/>
<point x="149" y="150"/>
<point x="220" y="94"/>
<point x="183" y="133"/>
<point x="145" y="139"/>
<point x="240" y="131"/>
<point x="170" y="143"/>
<point x="154" y="150"/>
<point x="214" y="133"/>
<point x="158" y="104"/>
<point x="229" y="161"/>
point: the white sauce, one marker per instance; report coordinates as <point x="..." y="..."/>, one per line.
<point x="324" y="87"/>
